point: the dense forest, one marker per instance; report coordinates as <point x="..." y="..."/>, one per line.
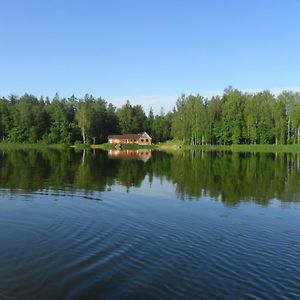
<point x="238" y="118"/>
<point x="233" y="118"/>
<point x="60" y="120"/>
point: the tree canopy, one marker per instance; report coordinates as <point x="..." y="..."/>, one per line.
<point x="232" y="118"/>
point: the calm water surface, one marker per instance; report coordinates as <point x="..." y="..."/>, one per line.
<point x="141" y="225"/>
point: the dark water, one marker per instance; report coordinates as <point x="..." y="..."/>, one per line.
<point x="149" y="225"/>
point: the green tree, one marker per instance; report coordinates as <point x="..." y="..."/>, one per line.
<point x="280" y="123"/>
<point x="84" y="117"/>
<point x="149" y="121"/>
<point x="161" y="127"/>
<point x="125" y="117"/>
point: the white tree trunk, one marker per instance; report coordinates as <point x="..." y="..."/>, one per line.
<point x="83" y="135"/>
<point x="288" y="128"/>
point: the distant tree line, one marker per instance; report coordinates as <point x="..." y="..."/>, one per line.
<point x="238" y="118"/>
<point x="27" y="119"/>
<point x="233" y="118"/>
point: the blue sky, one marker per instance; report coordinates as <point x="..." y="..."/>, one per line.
<point x="148" y="51"/>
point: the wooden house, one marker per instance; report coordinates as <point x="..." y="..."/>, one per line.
<point x="137" y="139"/>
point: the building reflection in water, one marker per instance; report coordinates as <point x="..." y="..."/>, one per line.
<point x="141" y="154"/>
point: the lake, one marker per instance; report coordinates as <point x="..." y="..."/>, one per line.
<point x="149" y="225"/>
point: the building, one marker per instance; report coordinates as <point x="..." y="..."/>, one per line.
<point x="138" y="139"/>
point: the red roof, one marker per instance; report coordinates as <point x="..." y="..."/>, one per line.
<point x="125" y="136"/>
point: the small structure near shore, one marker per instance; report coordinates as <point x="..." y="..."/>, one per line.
<point x="133" y="139"/>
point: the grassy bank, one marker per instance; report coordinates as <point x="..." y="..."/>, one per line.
<point x="172" y="146"/>
<point x="265" y="148"/>
<point x="139" y="147"/>
<point x="105" y="146"/>
<point x="248" y="148"/>
<point x="14" y="146"/>
<point x="108" y="146"/>
<point x="167" y="146"/>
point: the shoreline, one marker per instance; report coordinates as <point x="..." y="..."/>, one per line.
<point x="167" y="146"/>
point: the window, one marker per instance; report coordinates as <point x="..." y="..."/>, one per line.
<point x="147" y="140"/>
<point x="142" y="140"/>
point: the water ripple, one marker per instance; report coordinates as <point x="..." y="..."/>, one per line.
<point x="75" y="248"/>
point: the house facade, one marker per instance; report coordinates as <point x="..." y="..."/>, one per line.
<point x="137" y="139"/>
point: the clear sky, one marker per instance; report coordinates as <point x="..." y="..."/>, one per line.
<point x="147" y="51"/>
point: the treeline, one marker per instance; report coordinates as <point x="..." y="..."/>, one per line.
<point x="67" y="120"/>
<point x="238" y="118"/>
<point x="233" y="118"/>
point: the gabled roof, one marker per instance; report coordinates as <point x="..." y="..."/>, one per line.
<point x="146" y="135"/>
<point x="125" y="136"/>
<point x="130" y="136"/>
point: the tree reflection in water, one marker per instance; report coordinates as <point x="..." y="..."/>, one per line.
<point x="229" y="177"/>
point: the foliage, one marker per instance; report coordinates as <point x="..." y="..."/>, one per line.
<point x="132" y="119"/>
<point x="235" y="118"/>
